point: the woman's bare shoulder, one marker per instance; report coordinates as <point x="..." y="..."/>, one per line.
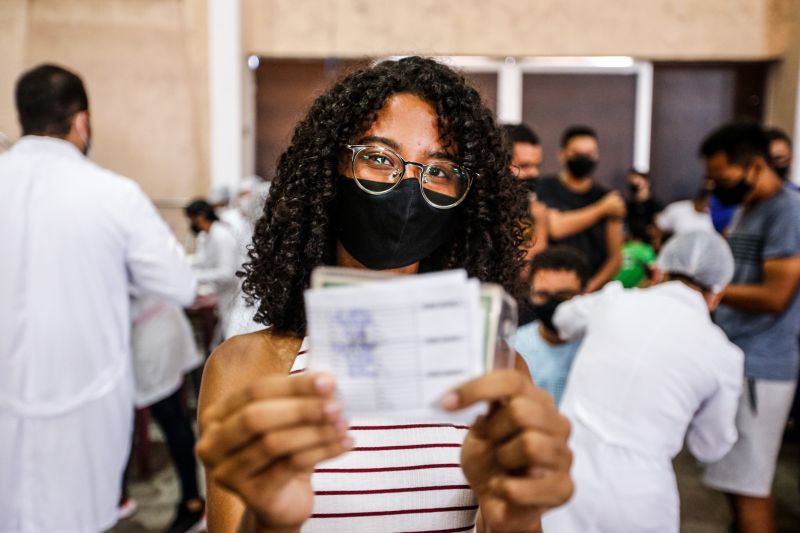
<point x="243" y="359"/>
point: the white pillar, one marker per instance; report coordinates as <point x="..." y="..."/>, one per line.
<point x="509" y="93"/>
<point x="225" y="61"/>
<point x="644" y="116"/>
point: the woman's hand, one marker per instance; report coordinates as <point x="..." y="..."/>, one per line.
<point x="516" y="457"/>
<point x="263" y="442"/>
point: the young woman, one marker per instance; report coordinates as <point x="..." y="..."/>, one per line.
<point x="397" y="167"/>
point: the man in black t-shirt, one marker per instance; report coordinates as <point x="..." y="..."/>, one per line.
<point x="581" y="213"/>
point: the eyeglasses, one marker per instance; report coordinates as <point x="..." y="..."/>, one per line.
<point x="378" y="170"/>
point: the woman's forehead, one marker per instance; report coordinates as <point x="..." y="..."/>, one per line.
<point x="410" y="122"/>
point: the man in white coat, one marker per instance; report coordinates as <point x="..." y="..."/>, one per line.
<point x="218" y="260"/>
<point x="652" y="366"/>
<point x="76" y="239"/>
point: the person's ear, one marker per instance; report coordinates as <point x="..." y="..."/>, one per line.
<point x="80" y="123"/>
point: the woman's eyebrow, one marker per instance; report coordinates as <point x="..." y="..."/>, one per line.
<point x="369" y="139"/>
<point x="378" y="139"/>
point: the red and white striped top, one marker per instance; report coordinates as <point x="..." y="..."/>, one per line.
<point x="401" y="476"/>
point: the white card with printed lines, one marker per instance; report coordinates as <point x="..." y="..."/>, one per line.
<point x="398" y="345"/>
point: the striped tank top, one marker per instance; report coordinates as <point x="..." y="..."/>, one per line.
<point x="400" y="476"/>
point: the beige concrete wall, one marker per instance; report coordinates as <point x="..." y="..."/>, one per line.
<point x="13" y="18"/>
<point x="144" y="63"/>
<point x="782" y="84"/>
<point x="651" y="29"/>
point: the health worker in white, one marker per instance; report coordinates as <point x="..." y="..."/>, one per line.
<point x="76" y="239"/>
<point x="652" y="370"/>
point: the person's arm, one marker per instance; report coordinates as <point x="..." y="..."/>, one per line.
<point x="773" y="294"/>
<point x="571" y="318"/>
<point x="156" y="263"/>
<point x="712" y="431"/>
<point x="562" y="224"/>
<point x="613" y="262"/>
<point x="540" y="228"/>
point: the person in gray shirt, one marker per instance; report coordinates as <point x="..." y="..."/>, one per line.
<point x="760" y="313"/>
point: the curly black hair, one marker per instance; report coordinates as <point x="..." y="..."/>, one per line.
<point x="298" y="229"/>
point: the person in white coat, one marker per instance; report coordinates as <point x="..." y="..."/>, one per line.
<point x="652" y="366"/>
<point x="164" y="350"/>
<point x="76" y="239"/>
<point x="216" y="266"/>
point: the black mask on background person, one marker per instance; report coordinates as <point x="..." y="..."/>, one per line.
<point x="581" y="166"/>
<point x="633" y="188"/>
<point x="782" y="172"/>
<point x="195" y="228"/>
<point x="530" y="184"/>
<point x="390" y="230"/>
<point x="734" y="195"/>
<point x="544" y="312"/>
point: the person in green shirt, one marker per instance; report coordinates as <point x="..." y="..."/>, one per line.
<point x="638" y="256"/>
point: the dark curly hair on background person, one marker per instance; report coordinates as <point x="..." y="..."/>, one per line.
<point x="298" y="231"/>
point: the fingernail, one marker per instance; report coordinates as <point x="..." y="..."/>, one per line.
<point x="449" y="400"/>
<point x="342" y="425"/>
<point x="332" y="409"/>
<point x="324" y="383"/>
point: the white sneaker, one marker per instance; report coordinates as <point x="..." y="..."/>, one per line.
<point x="127" y="509"/>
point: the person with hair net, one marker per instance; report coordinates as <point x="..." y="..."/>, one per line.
<point x="652" y="369"/>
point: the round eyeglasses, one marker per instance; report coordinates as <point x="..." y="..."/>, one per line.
<point x="378" y="170"/>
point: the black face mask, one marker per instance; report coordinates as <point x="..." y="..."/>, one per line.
<point x="195" y="228"/>
<point x="391" y="230"/>
<point x="581" y="166"/>
<point x="544" y="312"/>
<point x="633" y="188"/>
<point x="735" y="195"/>
<point x="782" y="172"/>
<point x="530" y="184"/>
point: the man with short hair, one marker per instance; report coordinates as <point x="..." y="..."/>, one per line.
<point x="581" y="213"/>
<point x="526" y="151"/>
<point x="218" y="258"/>
<point x="557" y="274"/>
<point x="760" y="312"/>
<point x="77" y="239"/>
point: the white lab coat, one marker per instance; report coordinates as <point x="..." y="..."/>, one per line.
<point x="652" y="366"/>
<point x="163" y="348"/>
<point x="76" y="239"/>
<point x="216" y="269"/>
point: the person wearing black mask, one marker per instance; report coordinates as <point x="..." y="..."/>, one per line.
<point x="780" y="151"/>
<point x="581" y="213"/>
<point x="397" y="167"/>
<point x="642" y="205"/>
<point x="557" y="275"/>
<point x="759" y="311"/>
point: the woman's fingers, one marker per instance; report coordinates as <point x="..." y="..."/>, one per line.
<point x="276" y="446"/>
<point x="308" y="384"/>
<point x="548" y="490"/>
<point x="534" y="449"/>
<point x="494" y="386"/>
<point x="535" y="410"/>
<point x="259" y="417"/>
